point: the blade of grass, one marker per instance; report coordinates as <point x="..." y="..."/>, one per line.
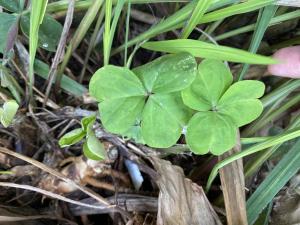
<point x="254" y="140"/>
<point x="172" y="22"/>
<point x="210" y="29"/>
<point x="279" y="176"/>
<point x="38" y="8"/>
<point x="265" y="115"/>
<point x="82" y="5"/>
<point x="67" y="84"/>
<point x="176" y="20"/>
<point x="265" y="15"/>
<point x="62" y="5"/>
<point x="106" y="35"/>
<point x="42" y="70"/>
<point x="209" y="37"/>
<point x="274" y="21"/>
<point x="197" y="14"/>
<point x="236" y="9"/>
<point x="280" y="92"/>
<point x="254" y="164"/>
<point x="60" y="49"/>
<point x="92" y="43"/>
<point x="118" y="10"/>
<point x="78" y="36"/>
<point x="265" y="215"/>
<point x="130" y="58"/>
<point x="127" y="32"/>
<point x="271" y="116"/>
<point x="286" y="136"/>
<point x="206" y="50"/>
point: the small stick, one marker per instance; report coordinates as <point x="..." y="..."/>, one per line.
<point x="48" y="193"/>
<point x="233" y="187"/>
<point x="60" y="49"/>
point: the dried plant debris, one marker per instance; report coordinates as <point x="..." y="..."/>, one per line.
<point x="233" y="188"/>
<point x="181" y="201"/>
<point x="129" y="202"/>
<point x="79" y="169"/>
<point x="119" y="111"/>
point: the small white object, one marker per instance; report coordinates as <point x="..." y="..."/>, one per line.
<point x="294" y="3"/>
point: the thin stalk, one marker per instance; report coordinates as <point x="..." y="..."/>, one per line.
<point x="38" y="8"/>
<point x="263" y="21"/>
<point x="106" y="36"/>
<point x="78" y="36"/>
<point x="197" y="14"/>
<point x="92" y="43"/>
<point x="127" y="32"/>
<point x="60" y="50"/>
<point x="210" y="29"/>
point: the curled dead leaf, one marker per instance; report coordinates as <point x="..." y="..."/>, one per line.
<point x="181" y="201"/>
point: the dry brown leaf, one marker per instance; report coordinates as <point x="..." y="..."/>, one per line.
<point x="180" y="201"/>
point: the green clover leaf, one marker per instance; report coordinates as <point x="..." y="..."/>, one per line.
<point x="92" y="148"/>
<point x="212" y="81"/>
<point x="222" y="108"/>
<point x="71" y="138"/>
<point x="113" y="82"/>
<point x="87" y="121"/>
<point x="150" y="94"/>
<point x="168" y="74"/>
<point x="163" y="119"/>
<point x="211" y="131"/>
<point x="135" y="133"/>
<point x="240" y="101"/>
<point x="119" y="115"/>
<point x="8" y="111"/>
<point x="76" y="135"/>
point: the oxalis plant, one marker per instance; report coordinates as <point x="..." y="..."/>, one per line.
<point x="8" y="112"/>
<point x="92" y="147"/>
<point x="169" y="97"/>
